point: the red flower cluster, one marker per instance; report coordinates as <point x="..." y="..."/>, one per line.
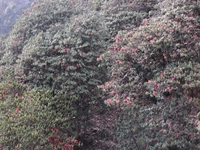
<point x="59" y="143"/>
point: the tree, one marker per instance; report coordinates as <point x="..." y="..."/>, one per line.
<point x="35" y="119"/>
<point x="125" y="15"/>
<point x="55" y="46"/>
<point x="157" y="61"/>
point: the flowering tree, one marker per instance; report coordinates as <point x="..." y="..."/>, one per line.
<point x="54" y="47"/>
<point x="125" y="15"/>
<point x="45" y="14"/>
<point x="60" y="48"/>
<point x="35" y="119"/>
<point x="157" y="61"/>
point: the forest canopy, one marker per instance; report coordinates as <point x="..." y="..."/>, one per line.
<point x="64" y="60"/>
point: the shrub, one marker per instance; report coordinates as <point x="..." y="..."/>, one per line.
<point x="55" y="46"/>
<point x="159" y="46"/>
<point x="36" y="119"/>
<point x="39" y="17"/>
<point x="64" y="59"/>
<point x="125" y="15"/>
<point x="157" y="127"/>
<point x="158" y="61"/>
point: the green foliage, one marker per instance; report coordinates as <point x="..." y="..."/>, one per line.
<point x="36" y="119"/>
<point x="160" y="51"/>
<point x="155" y="127"/>
<point x="125" y="15"/>
<point x="38" y="18"/>
<point x="64" y="59"/>
<point x="2" y="46"/>
<point x="55" y="46"/>
<point x="59" y="48"/>
<point x="157" y="62"/>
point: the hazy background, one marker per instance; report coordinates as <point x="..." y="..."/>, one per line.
<point x="9" y="11"/>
